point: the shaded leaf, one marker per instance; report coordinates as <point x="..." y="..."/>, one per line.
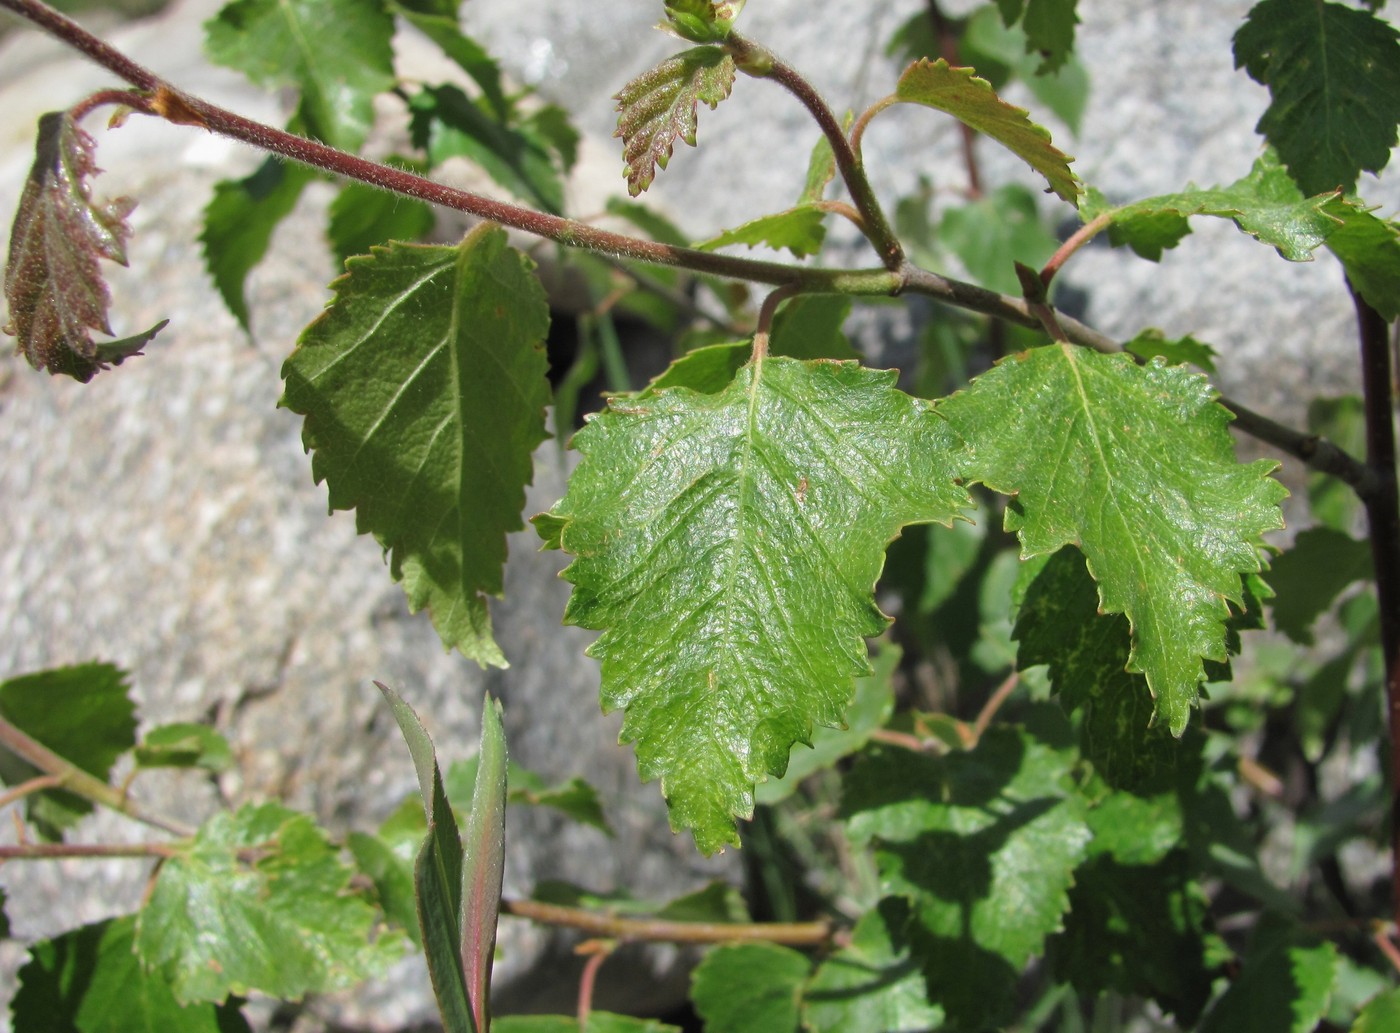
<point x="336" y="53"/>
<point x="438" y="21"/>
<point x="362" y="216"/>
<point x="991" y="234"/>
<point x="749" y="988"/>
<point x="1049" y="27"/>
<point x="447" y="123"/>
<point x="1333" y="74"/>
<point x="1369" y="250"/>
<point x="727" y="546"/>
<point x="1342" y="420"/>
<point x="82" y="713"/>
<point x="91" y="980"/>
<point x="238" y="225"/>
<point x="1381" y="1013"/>
<point x="423" y="387"/>
<point x="799" y="229"/>
<point x="1151" y="343"/>
<point x="1134" y="465"/>
<point x="437" y="875"/>
<point x="661" y="105"/>
<point x="1309" y="577"/>
<point x="259" y="900"/>
<point x="874" y="985"/>
<point x="1284" y="986"/>
<point x="53" y="284"/>
<point x="982" y="845"/>
<point x="598" y="1022"/>
<point x="184" y="745"/>
<point x="971" y="100"/>
<point x="717" y="901"/>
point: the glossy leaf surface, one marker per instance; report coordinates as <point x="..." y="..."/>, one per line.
<point x="1135" y="466"/>
<point x="727" y="545"/>
<point x="423" y="387"/>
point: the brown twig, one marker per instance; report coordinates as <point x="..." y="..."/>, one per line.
<point x="48" y="851"/>
<point x="794" y="934"/>
<point x="33" y="785"/>
<point x="994" y="703"/>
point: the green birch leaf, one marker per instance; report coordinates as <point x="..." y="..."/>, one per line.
<point x="1381" y="1013"/>
<point x="184" y="745"/>
<point x="1048" y="25"/>
<point x="991" y="234"/>
<point x="91" y="980"/>
<point x="238" y="225"/>
<point x="362" y="216"/>
<point x="1369" y="249"/>
<point x="82" y="713"/>
<point x="1284" y="987"/>
<point x="870" y="709"/>
<point x="438" y="21"/>
<point x="1000" y="53"/>
<point x="750" y="988"/>
<point x="982" y="845"/>
<point x="259" y="901"/>
<point x="1308" y="577"/>
<point x="727" y="546"/>
<point x="971" y="100"/>
<point x="1134" y="465"/>
<point x="1266" y="204"/>
<point x="661" y="105"/>
<point x="598" y="1022"/>
<point x="1333" y="74"/>
<point x="447" y="123"/>
<point x="423" y="387"/>
<point x="575" y="798"/>
<point x="1151" y="343"/>
<point x="821" y="170"/>
<point x="799" y="229"/>
<point x="875" y="985"/>
<point x="336" y="53"/>
<point x="53" y="283"/>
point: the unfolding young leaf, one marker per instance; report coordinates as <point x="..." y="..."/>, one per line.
<point x="750" y="988"/>
<point x="90" y="980"/>
<point x="982" y="845"/>
<point x="259" y="900"/>
<point x="53" y="284"/>
<point x="1333" y="74"/>
<point x="335" y="52"/>
<point x="423" y="387"/>
<point x="727" y="546"/>
<point x="1133" y="464"/>
<point x="82" y="713"/>
<point x="799" y="229"/>
<point x="1266" y="204"/>
<point x="971" y="100"/>
<point x="702" y="21"/>
<point x="660" y="105"/>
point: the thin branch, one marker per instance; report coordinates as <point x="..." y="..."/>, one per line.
<point x="76" y="780"/>
<point x="1073" y="243"/>
<point x="49" y="851"/>
<point x="597" y="951"/>
<point x="861" y="123"/>
<point x="1383" y="518"/>
<point x="33" y="785"/>
<point x="877" y="227"/>
<point x="994" y="703"/>
<point x="794" y="934"/>
<point x="766" y="312"/>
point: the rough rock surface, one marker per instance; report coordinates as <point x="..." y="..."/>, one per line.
<point x="164" y="518"/>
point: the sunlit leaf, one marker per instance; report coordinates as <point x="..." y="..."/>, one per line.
<point x="799" y="230"/>
<point x="749" y="988"/>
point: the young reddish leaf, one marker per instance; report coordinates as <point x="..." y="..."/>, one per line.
<point x="660" y="105"/>
<point x="483" y="862"/>
<point x="727" y="545"/>
<point x="53" y="284"/>
<point x="971" y="100"/>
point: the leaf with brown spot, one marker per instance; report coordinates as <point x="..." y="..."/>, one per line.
<point x="53" y="284"/>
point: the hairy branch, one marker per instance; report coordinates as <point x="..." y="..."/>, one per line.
<point x="796" y="934"/>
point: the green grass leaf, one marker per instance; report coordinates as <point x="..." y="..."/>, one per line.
<point x="336" y="53"/>
<point x="749" y="988"/>
<point x="799" y="229"/>
<point x="238" y="225"/>
<point x="259" y="901"/>
<point x="82" y="713"/>
<point x="91" y="980"/>
<point x="1134" y="465"/>
<point x="661" y="105"/>
<point x="439" y="22"/>
<point x="1266" y="204"/>
<point x="1333" y="74"/>
<point x="727" y="545"/>
<point x="983" y="845"/>
<point x="971" y="100"/>
<point x="874" y="985"/>
<point x="53" y="283"/>
<point x="423" y="387"/>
